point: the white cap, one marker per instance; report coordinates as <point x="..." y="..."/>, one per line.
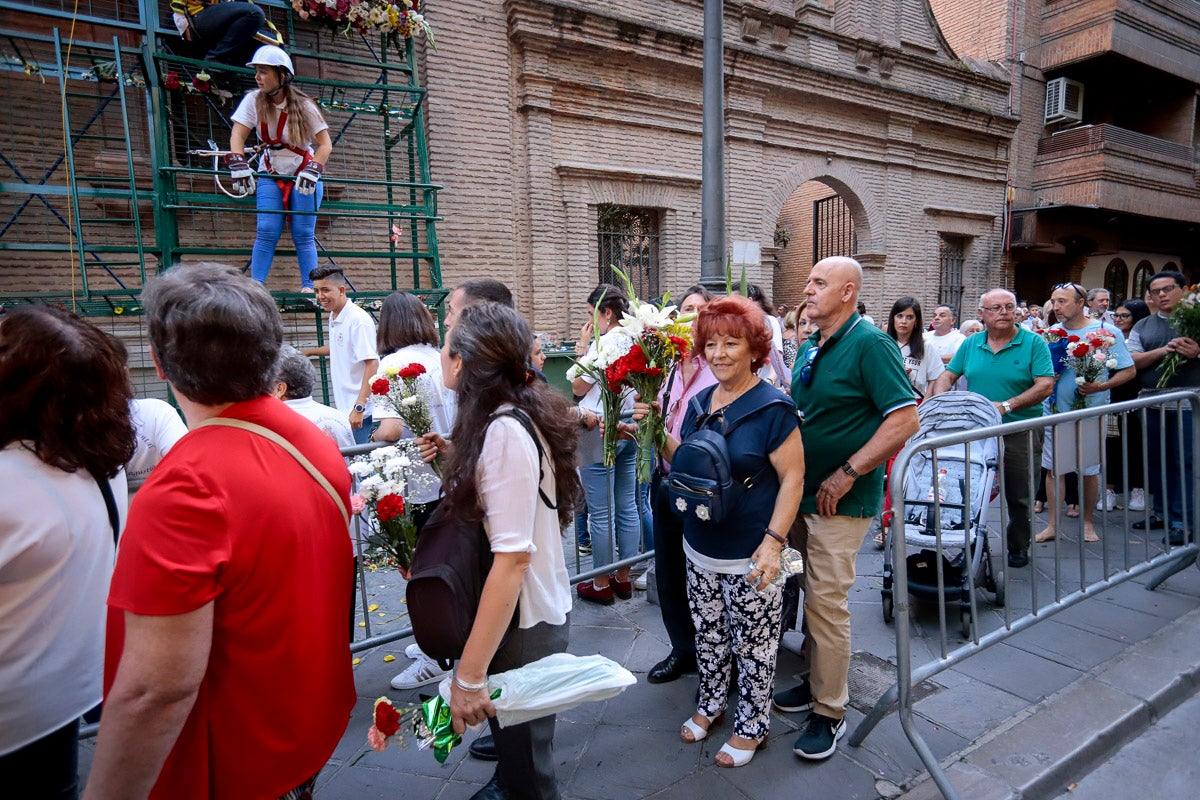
<point x="270" y="55"/>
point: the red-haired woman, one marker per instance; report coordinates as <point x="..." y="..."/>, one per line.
<point x="732" y="564"/>
<point x="65" y="434"/>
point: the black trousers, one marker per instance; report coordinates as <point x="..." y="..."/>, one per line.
<point x="670" y="570"/>
<point x="46" y="769"/>
<point x="525" y="768"/>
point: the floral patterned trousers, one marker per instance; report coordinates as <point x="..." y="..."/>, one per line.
<point x="733" y="620"/>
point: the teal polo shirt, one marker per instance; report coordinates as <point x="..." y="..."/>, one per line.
<point x="1004" y="375"/>
<point x="857" y="379"/>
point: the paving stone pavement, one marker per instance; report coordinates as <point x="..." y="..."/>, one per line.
<point x="1021" y="719"/>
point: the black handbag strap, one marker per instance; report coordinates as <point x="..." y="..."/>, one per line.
<point x="527" y="424"/>
<point x="110" y="503"/>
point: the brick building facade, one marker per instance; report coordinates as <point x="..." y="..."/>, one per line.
<point x="543" y="111"/>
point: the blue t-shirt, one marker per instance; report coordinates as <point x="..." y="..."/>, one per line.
<point x="1064" y="387"/>
<point x="750" y="446"/>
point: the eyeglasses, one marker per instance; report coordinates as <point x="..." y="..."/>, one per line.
<point x="1122" y="315"/>
<point x="806" y="369"/>
<point x="996" y="309"/>
<point x="1072" y="286"/>
<point x="1170" y="287"/>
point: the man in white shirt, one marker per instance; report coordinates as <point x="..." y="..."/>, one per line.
<point x="353" y="359"/>
<point x="1098" y="302"/>
<point x="294" y="380"/>
<point x="944" y="339"/>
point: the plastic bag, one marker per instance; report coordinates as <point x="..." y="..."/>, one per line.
<point x="556" y="683"/>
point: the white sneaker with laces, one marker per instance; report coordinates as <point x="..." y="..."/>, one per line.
<point x="1108" y="502"/>
<point x="1137" y="499"/>
<point x="414" y="651"/>
<point x="639" y="582"/>
<point x="421" y="672"/>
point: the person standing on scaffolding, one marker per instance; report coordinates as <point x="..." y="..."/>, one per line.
<point x="221" y="31"/>
<point x="288" y="125"/>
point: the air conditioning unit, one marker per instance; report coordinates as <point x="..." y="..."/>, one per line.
<point x="1064" y="101"/>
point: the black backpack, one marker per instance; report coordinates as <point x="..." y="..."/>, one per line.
<point x="701" y="483"/>
<point x="450" y="564"/>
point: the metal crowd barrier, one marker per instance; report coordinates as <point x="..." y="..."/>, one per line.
<point x="1074" y="581"/>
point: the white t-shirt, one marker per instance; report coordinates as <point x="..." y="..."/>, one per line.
<point x="56" y="559"/>
<point x="945" y="344"/>
<point x="921" y="371"/>
<point x="768" y="370"/>
<point x="158" y="427"/>
<point x="281" y="161"/>
<point x="332" y="423"/>
<point x="443" y="405"/>
<point x="351" y="342"/>
<point x="517" y="521"/>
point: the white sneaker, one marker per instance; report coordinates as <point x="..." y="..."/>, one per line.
<point x="639" y="582"/>
<point x="421" y="672"/>
<point x="1137" y="499"/>
<point x="1108" y="502"/>
<point x="414" y="651"/>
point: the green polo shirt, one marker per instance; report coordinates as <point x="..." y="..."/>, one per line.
<point x="1004" y="375"/>
<point x="857" y="379"/>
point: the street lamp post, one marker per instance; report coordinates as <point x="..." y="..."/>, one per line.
<point x="712" y="174"/>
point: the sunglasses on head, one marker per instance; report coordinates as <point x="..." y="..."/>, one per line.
<point x="1073" y="287"/>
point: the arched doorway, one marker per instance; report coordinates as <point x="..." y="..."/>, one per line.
<point x="1141" y="279"/>
<point x="1116" y="281"/>
<point x="816" y="222"/>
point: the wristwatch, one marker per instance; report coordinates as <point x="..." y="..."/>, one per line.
<point x="849" y="470"/>
<point x="1007" y="406"/>
<point x="360" y="408"/>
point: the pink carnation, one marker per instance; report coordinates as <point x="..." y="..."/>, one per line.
<point x="376" y="739"/>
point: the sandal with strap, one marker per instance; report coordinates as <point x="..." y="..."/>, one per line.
<point x="697" y="733"/>
<point x="737" y="756"/>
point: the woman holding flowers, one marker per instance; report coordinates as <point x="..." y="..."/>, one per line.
<point x="492" y="474"/>
<point x="610" y="490"/>
<point x="732" y="565"/>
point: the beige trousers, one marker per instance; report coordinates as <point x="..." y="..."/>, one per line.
<point x="829" y="545"/>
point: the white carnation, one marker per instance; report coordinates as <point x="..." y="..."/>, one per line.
<point x="1111" y="363"/>
<point x="1079" y="381"/>
<point x="361" y="469"/>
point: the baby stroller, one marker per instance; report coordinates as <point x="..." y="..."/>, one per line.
<point x="966" y="555"/>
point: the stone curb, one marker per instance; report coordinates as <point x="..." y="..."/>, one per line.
<point x="1043" y="748"/>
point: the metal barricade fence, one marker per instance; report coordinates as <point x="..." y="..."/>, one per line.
<point x="1167" y="452"/>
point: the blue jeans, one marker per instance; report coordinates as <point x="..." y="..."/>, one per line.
<point x="647" y="516"/>
<point x="363" y="435"/>
<point x="270" y="228"/>
<point x="621" y="505"/>
<point x="1178" y="461"/>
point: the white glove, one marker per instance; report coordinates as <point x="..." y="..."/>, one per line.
<point x="306" y="179"/>
<point x="240" y="173"/>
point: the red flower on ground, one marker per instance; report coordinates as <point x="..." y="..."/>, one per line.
<point x="412" y="371"/>
<point x="380" y="386"/>
<point x="388" y="507"/>
<point x="387" y="718"/>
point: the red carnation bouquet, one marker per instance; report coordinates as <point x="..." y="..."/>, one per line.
<point x="429" y="723"/>
<point x="385" y="475"/>
<point x="1089" y="357"/>
<point x="660" y="341"/>
<point x="406" y="390"/>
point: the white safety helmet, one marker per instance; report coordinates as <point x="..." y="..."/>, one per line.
<point x="270" y="55"/>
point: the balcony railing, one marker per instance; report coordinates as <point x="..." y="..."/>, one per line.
<point x="1095" y="137"/>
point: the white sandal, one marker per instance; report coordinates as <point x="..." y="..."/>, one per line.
<point x="737" y="755"/>
<point x="699" y="734"/>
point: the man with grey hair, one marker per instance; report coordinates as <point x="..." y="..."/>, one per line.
<point x="1098" y="301"/>
<point x="230" y="595"/>
<point x="850" y="388"/>
<point x="294" y="381"/>
<point x="1009" y="365"/>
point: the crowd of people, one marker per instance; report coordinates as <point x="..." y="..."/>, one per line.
<point x="229" y="593"/>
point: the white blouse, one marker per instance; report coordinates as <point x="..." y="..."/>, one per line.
<point x="518" y="521"/>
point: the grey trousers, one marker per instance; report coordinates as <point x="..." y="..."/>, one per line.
<point x="526" y="759"/>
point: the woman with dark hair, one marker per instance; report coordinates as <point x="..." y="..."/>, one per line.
<point x="1125" y="316"/>
<point x="732" y="564"/>
<point x="906" y="326"/>
<point x="492" y="474"/>
<point x="611" y="491"/>
<point x="406" y="334"/>
<point x="66" y="432"/>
